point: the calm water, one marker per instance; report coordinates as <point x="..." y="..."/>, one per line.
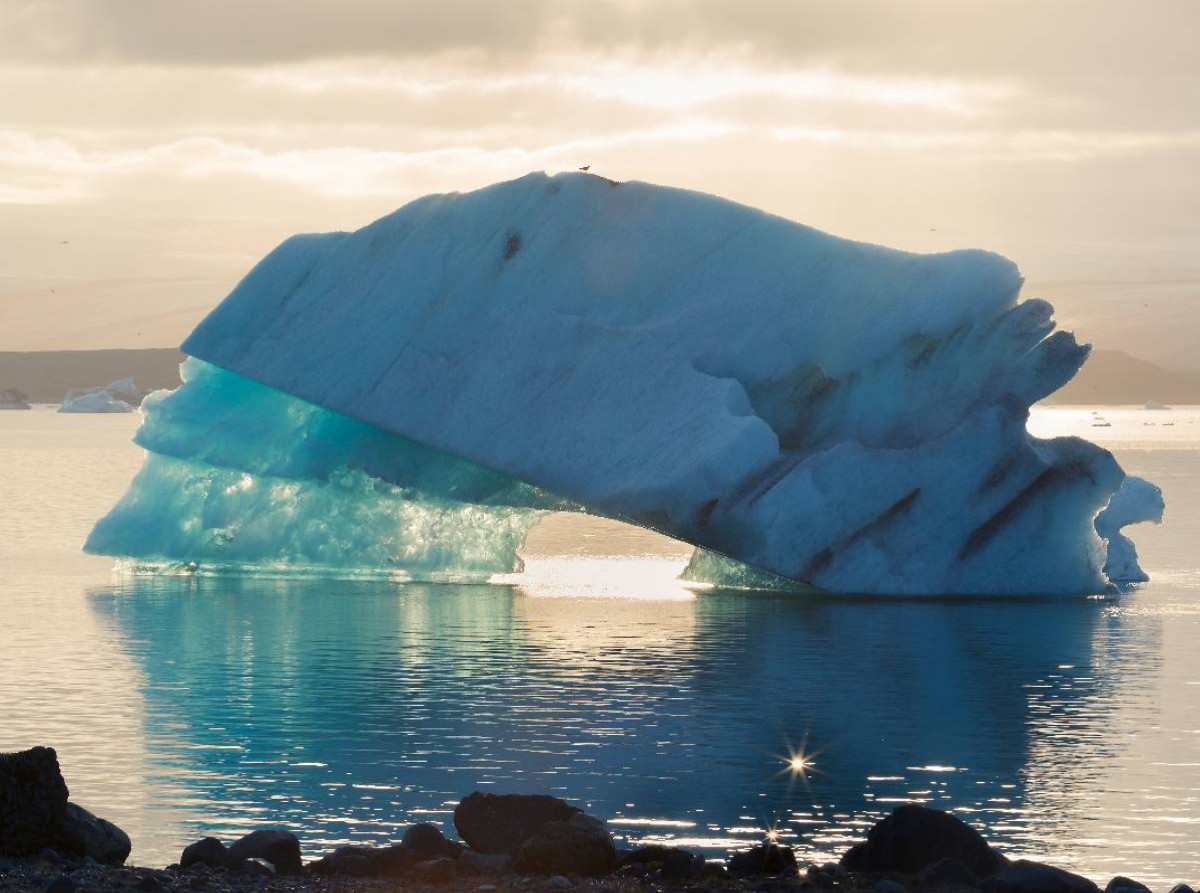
<point x="1068" y="729"/>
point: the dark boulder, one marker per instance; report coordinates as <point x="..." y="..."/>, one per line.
<point x="581" y="845"/>
<point x="426" y="841"/>
<point x="392" y="862"/>
<point x="435" y="871"/>
<point x="83" y="834"/>
<point x="766" y="858"/>
<point x="280" y="848"/>
<point x="35" y="814"/>
<point x="1125" y="885"/>
<point x="33" y="801"/>
<point x="484" y="864"/>
<point x="914" y="837"/>
<point x="949" y="873"/>
<point x="209" y="851"/>
<point x="501" y="823"/>
<point x="1023" y="876"/>
<point x="347" y="861"/>
<point x="673" y="862"/>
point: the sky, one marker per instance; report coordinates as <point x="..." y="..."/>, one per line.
<point x="151" y="152"/>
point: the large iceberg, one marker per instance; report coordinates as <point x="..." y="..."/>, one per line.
<point x="413" y="394"/>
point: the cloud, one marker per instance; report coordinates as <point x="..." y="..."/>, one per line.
<point x="1096" y="63"/>
<point x="990" y="146"/>
<point x="223" y="32"/>
<point x="1064" y="133"/>
<point x="661" y="82"/>
<point x="45" y="170"/>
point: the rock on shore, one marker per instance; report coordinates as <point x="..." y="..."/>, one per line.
<point x="501" y="823"/>
<point x="512" y="844"/>
<point x="35" y="813"/>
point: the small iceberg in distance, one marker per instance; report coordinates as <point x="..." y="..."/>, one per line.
<point x="831" y="412"/>
<point x="120" y="396"/>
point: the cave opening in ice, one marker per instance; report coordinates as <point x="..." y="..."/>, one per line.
<point x="412" y="397"/>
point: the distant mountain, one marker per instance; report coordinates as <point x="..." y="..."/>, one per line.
<point x="1109" y="376"/>
<point x="1114" y="377"/>
<point x="46" y="375"/>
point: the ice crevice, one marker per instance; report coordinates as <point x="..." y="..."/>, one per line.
<point x="802" y="408"/>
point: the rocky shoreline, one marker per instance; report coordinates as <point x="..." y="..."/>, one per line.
<point x="508" y="843"/>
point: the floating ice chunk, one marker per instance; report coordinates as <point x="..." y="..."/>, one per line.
<point x="833" y="412"/>
<point x="1136" y="501"/>
<point x="98" y="400"/>
<point x="120" y="396"/>
<point x="125" y="390"/>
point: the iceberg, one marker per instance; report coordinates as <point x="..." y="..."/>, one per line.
<point x="800" y="406"/>
<point x="1137" y="500"/>
<point x="120" y="396"/>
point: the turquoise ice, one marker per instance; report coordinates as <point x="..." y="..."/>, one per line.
<point x="842" y="414"/>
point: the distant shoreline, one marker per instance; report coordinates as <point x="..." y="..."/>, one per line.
<point x="1109" y="378"/>
<point x="45" y="376"/>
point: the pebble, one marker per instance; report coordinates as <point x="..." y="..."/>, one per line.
<point x="61" y="884"/>
<point x="486" y="888"/>
<point x="559" y="882"/>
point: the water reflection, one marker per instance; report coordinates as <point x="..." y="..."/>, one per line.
<point x="348" y="709"/>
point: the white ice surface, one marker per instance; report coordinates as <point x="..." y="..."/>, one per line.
<point x="93" y="400"/>
<point x="835" y="412"/>
<point x="120" y="396"/>
<point x="1138" y="500"/>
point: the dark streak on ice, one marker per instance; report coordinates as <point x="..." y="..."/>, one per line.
<point x="985" y="532"/>
<point x="512" y="245"/>
<point x="997" y="475"/>
<point x="823" y="558"/>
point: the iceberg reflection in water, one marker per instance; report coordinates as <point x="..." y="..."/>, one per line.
<point x="347" y="709"/>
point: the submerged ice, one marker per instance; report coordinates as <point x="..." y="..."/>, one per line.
<point x="831" y="412"/>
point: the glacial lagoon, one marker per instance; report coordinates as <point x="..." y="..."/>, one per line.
<point x="1066" y="729"/>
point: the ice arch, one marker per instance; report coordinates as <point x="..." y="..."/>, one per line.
<point x="831" y="411"/>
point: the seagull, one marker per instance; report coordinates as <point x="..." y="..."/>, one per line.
<point x="586" y="167"/>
